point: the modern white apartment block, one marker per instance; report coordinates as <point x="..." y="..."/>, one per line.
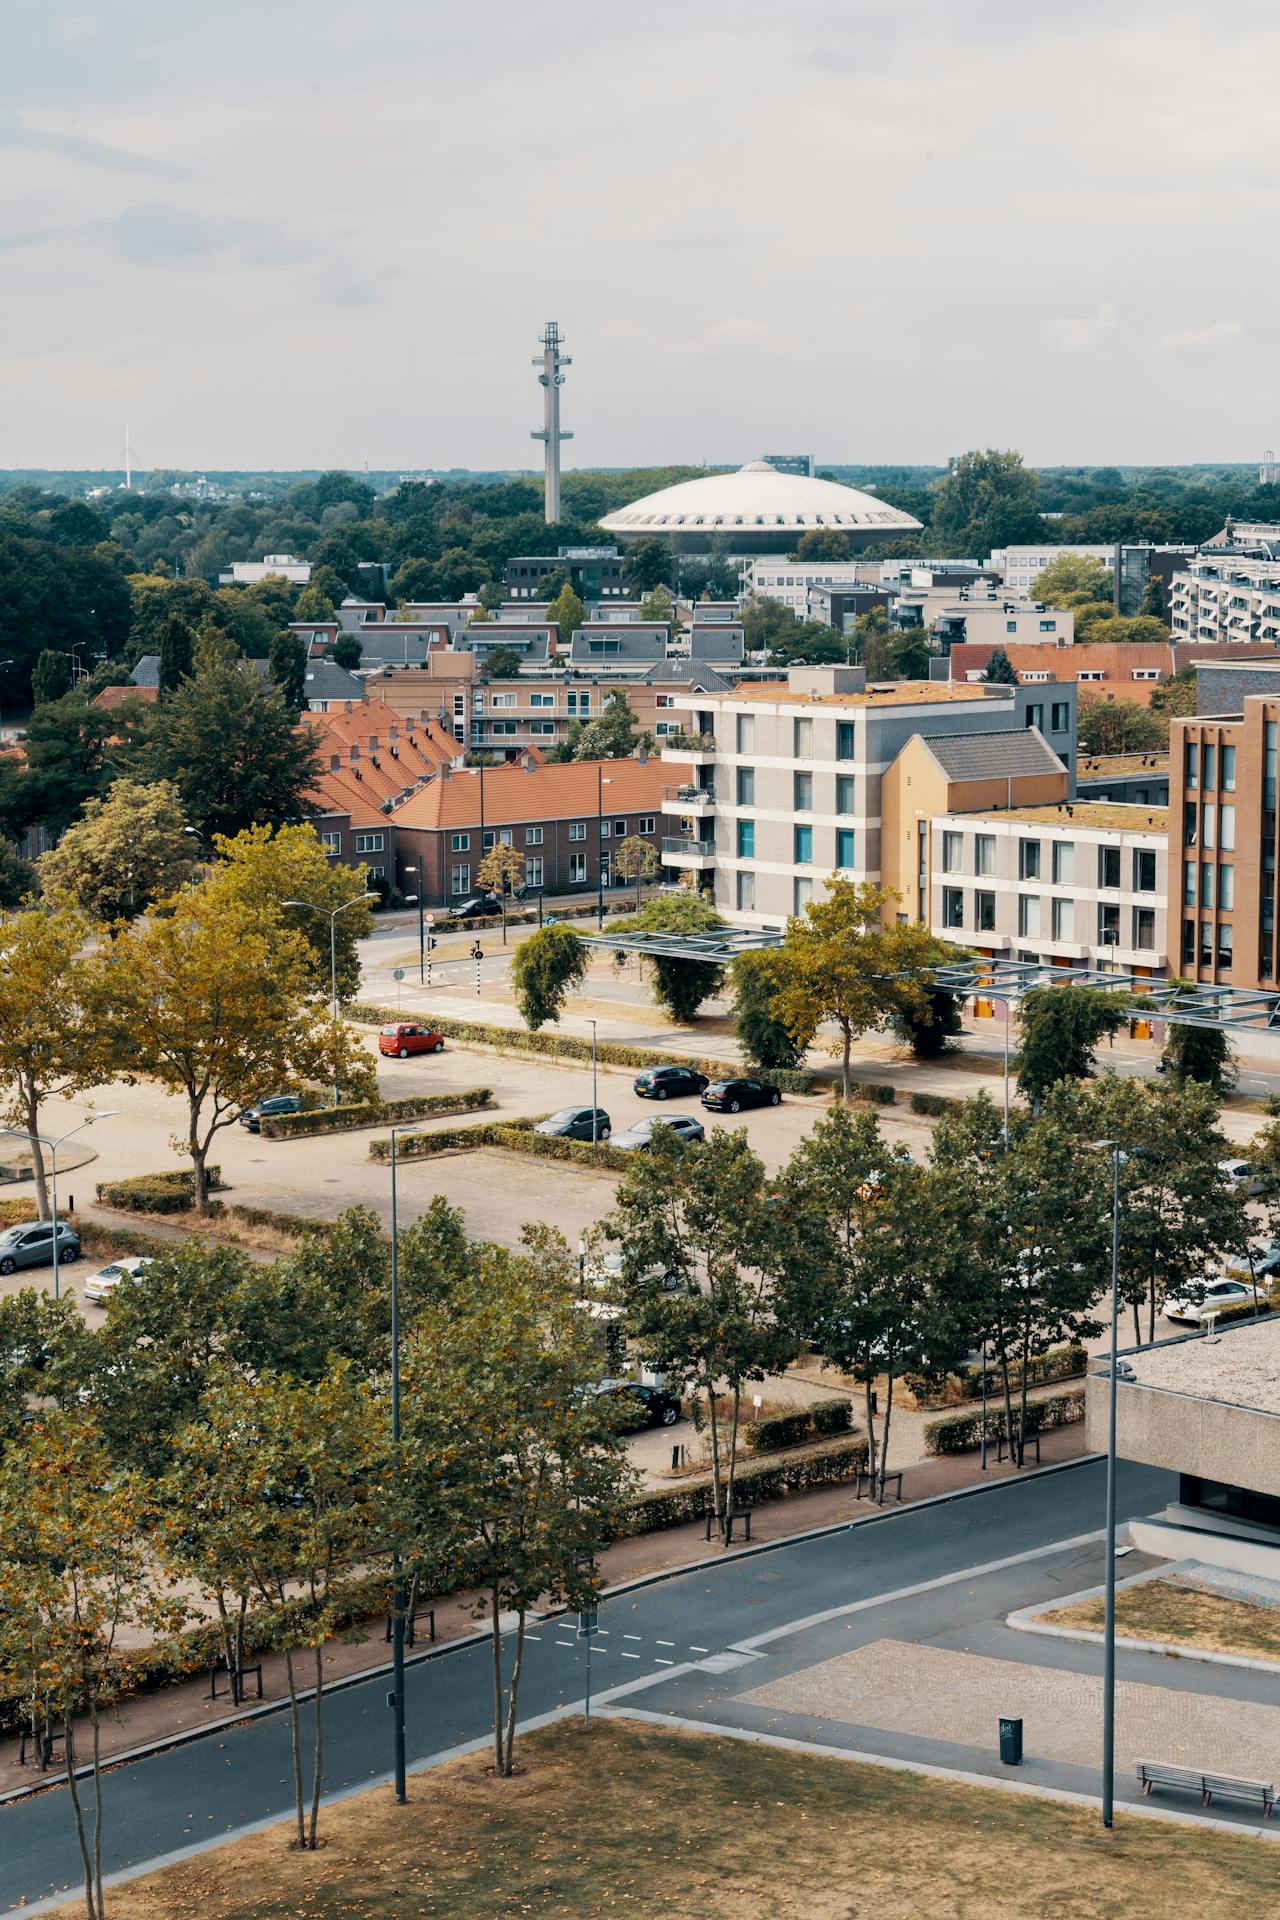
<point x="1224" y="596"/>
<point x="1020" y="565"/>
<point x="790" y="580"/>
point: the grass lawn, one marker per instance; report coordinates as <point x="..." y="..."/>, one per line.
<point x="629" y="1818"/>
<point x="1179" y="1610"/>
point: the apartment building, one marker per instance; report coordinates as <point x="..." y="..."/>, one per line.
<point x="595" y="573"/>
<point x="370" y="757"/>
<point x="786" y="781"/>
<point x="1020" y="565"/>
<point x="1222" y="595"/>
<point x="790" y="581"/>
<point x="1222" y="808"/>
<point x="1107" y="670"/>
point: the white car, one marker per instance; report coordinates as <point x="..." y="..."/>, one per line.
<point x="101" y="1285"/>
<point x="1242" y="1178"/>
<point x="1218" y="1294"/>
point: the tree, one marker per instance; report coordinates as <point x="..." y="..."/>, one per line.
<point x="636" y="859"/>
<point x="700" y="1217"/>
<point x="502" y="663"/>
<point x="822" y="543"/>
<point x="612" y="734"/>
<point x="840" y="964"/>
<point x="44" y="1347"/>
<point x="999" y="670"/>
<point x="930" y="1032"/>
<point x="229" y="744"/>
<point x="348" y="651"/>
<point x="680" y="986"/>
<point x="214" y="1001"/>
<point x="505" y="1435"/>
<point x="312" y="604"/>
<point x="553" y="583"/>
<point x="66" y="760"/>
<point x="501" y="871"/>
<point x="645" y="565"/>
<point x="762" y="1035"/>
<point x="1175" y="697"/>
<point x="1201" y="1054"/>
<point x="986" y="500"/>
<point x="491" y="596"/>
<point x="123" y="853"/>
<point x="51" y="678"/>
<point x="176" y="653"/>
<point x="1089" y="616"/>
<point x="157" y="601"/>
<point x="18" y="878"/>
<point x="75" y="1577"/>
<point x="1155" y="599"/>
<point x="568" y="613"/>
<point x="287" y="659"/>
<point x="262" y="868"/>
<point x="53" y="1023"/>
<point x="1072" y="580"/>
<point x="1119" y="726"/>
<point x="1061" y="1029"/>
<point x="657" y="604"/>
<point x="544" y="969"/>
<point x="287" y="1487"/>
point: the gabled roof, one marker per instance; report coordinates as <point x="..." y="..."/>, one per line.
<point x="326" y="680"/>
<point x="379" y="752"/>
<point x="1018" y="751"/>
<point x="147" y="671"/>
<point x="564" y="792"/>
<point x="694" y="674"/>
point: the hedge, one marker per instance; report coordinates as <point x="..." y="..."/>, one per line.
<point x="880" y="1093"/>
<point x="570" y="1046"/>
<point x="963" y="1431"/>
<point x="515" y="1138"/>
<point x="755" y="1480"/>
<point x="1059" y="1363"/>
<point x="798" y="1424"/>
<point x="933" y="1103"/>
<point x="372" y="1113"/>
<point x="1245" y="1310"/>
<point x="169" y="1192"/>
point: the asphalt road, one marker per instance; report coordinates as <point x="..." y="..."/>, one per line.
<point x="229" y="1780"/>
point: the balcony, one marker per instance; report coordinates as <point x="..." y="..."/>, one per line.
<point x="689" y="798"/>
<point x="683" y="850"/>
<point x="687" y="746"/>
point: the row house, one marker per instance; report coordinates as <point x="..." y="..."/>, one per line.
<point x="369" y="758"/>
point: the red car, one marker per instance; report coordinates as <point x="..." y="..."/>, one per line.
<point x="408" y="1038"/>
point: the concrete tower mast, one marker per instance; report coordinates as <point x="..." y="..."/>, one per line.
<point x="551" y="379"/>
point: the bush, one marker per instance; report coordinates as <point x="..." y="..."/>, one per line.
<point x="172" y="1191"/>
<point x="370" y="1113"/>
<point x="754" y="1481"/>
<point x="1060" y="1363"/>
<point x="795" y="1425"/>
<point x="879" y="1093"/>
<point x="934" y="1103"/>
<point x="516" y="1138"/>
<point x="963" y="1431"/>
<point x="291" y="1223"/>
<point x="1245" y="1310"/>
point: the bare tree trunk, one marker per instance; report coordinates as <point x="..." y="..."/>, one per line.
<point x="846" y="1084"/>
<point x="317" y="1750"/>
<point x="199" y="1154"/>
<point x="513" y="1690"/>
<point x="1022" y="1407"/>
<point x="82" y="1838"/>
<point x="31" y="1114"/>
<point x="295" y="1734"/>
<point x="871" y="1434"/>
<point x="1008" y="1395"/>
<point x="1151" y="1313"/>
<point x="733" y="1454"/>
<point x="97" y="1802"/>
<point x="884" y="1432"/>
<point x="498" y="1755"/>
<point x="717" y="1492"/>
<point x="1137" y="1323"/>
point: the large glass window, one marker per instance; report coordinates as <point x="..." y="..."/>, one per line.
<point x="460" y="879"/>
<point x="1226" y="827"/>
<point x="746" y="733"/>
<point x="1190" y="823"/>
<point x="1206" y="886"/>
<point x="1208" y="767"/>
<point x="1108" y="866"/>
<point x="803" y="894"/>
<point x="1188" y="883"/>
<point x="1028" y="859"/>
<point x="1191" y="763"/>
<point x="1062" y="918"/>
<point x="802" y="740"/>
<point x="746" y="786"/>
<point x="1108" y="926"/>
<point x="1228" y="781"/>
<point x="1209" y="824"/>
<point x="1226" y="942"/>
<point x="1064" y="862"/>
<point x="984" y="912"/>
<point x="746" y="839"/>
<point x="953" y="853"/>
<point x="802" y="797"/>
<point x="1035" y="716"/>
<point x="804" y="846"/>
<point x="844" y="793"/>
<point x="1226" y="889"/>
<point x="1144" y="870"/>
<point x="953" y="906"/>
<point x="746" y="892"/>
<point x="1029" y="915"/>
<point x="844" y="848"/>
<point x="1144" y="928"/>
<point x="1270" y="735"/>
<point x="984" y="853"/>
<point x="844" y="739"/>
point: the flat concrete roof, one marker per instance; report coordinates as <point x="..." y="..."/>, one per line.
<point x="1122" y="814"/>
<point x="1240" y="1366"/>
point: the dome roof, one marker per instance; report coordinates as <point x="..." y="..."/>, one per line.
<point x="757" y="499"/>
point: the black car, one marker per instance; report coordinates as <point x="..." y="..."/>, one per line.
<point x="642" y="1406"/>
<point x="253" y="1116"/>
<point x="730" y="1096"/>
<point x="668" y="1083"/>
<point x="577" y="1123"/>
<point x="479" y="907"/>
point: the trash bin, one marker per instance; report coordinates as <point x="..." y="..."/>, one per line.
<point x="1010" y="1742"/>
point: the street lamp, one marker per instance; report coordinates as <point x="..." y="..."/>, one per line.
<point x="397" y="1569"/>
<point x="601" y="784"/>
<point x="595" y="1105"/>
<point x="39" y="1139"/>
<point x="422" y="925"/>
<point x="311" y="907"/>
<point x="1109" y="1628"/>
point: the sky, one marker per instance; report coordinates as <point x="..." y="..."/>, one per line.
<point x="306" y="233"/>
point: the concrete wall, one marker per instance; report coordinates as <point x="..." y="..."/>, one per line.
<point x="1211" y="1438"/>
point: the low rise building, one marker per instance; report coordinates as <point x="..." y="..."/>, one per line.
<point x="1141" y="779"/>
<point x="250" y="573"/>
<point x="595" y="573"/>
<point x="370" y="758"/>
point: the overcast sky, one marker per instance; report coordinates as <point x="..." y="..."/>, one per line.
<point x="285" y="233"/>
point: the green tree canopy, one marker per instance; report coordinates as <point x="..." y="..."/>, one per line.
<point x="51" y="678"/>
<point x="1072" y="580"/>
<point x="1000" y="670"/>
<point x="763" y="1037"/>
<point x="124" y="852"/>
<point x="288" y="662"/>
<point x="986" y="500"/>
<point x="568" y="613"/>
<point x="680" y="986"/>
<point x="1119" y="726"/>
<point x="1061" y="1030"/>
<point x="502" y="663"/>
<point x="612" y="734"/>
<point x="646" y="564"/>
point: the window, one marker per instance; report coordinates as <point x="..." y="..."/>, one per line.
<point x="1144" y="870"/>
<point x="746" y="733"/>
<point x="844" y="847"/>
<point x="953" y="853"/>
<point x="1028" y="859"/>
<point x="1226" y="889"/>
<point x="802" y="739"/>
<point x="1206" y="943"/>
<point x="577" y="829"/>
<point x="579" y="703"/>
<point x="1227" y="825"/>
<point x="1029" y="915"/>
<point x="1206" y="886"/>
<point x="1188" y="883"/>
<point x="1188" y="943"/>
<point x="1096" y="674"/>
<point x="746" y="892"/>
<point x="646" y="823"/>
<point x="460" y="843"/>
<point x="549" y="700"/>
<point x="984" y="912"/>
<point x="803" y="846"/>
<point x="370" y="842"/>
<point x="1144" y="928"/>
<point x="1060" y="717"/>
<point x="953" y="906"/>
<point x="533" y="871"/>
<point x="1270" y="733"/>
<point x="542" y="729"/>
<point x="984" y="853"/>
<point x="533" y="836"/>
<point x="1035" y="716"/>
<point x="1011" y="626"/>
<point x="502" y="700"/>
<point x="746" y="839"/>
<point x="1191" y="764"/>
<point x="1062" y="918"/>
<point x="1108" y="866"/>
<point x="664" y="700"/>
<point x="331" y="842"/>
<point x="1226" y="941"/>
<point x="577" y="868"/>
<point x="620" y="829"/>
<point x="746" y="786"/>
<point x="844" y="739"/>
<point x="802" y="796"/>
<point x="1209" y="824"/>
<point x="1190" y="823"/>
<point x="460" y="879"/>
<point x="1064" y="862"/>
<point x="605" y="829"/>
<point x="1048" y="626"/>
<point x="844" y="793"/>
<point x="803" y="894"/>
<point x="1108" y="926"/>
<point x="1228" y="769"/>
<point x="502" y="726"/>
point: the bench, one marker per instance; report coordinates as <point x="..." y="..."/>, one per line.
<point x="731" y="1519"/>
<point x="872" y="1480"/>
<point x="1156" y="1773"/>
<point x="237" y="1680"/>
<point x="411" y="1625"/>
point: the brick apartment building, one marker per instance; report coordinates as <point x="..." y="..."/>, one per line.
<point x="1223" y="845"/>
<point x="1100" y="669"/>
<point x="370" y="757"/>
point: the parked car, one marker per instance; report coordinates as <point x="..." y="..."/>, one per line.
<point x="1262" y="1262"/>
<point x="406" y="1038"/>
<point x="577" y="1123"/>
<point x="641" y="1405"/>
<point x="101" y="1285"/>
<point x="32" y="1246"/>
<point x="1241" y="1177"/>
<point x="668" y="1083"/>
<point x="683" y="1125"/>
<point x="478" y="907"/>
<point x="1218" y="1293"/>
<point x="728" y="1096"/>
<point x="253" y="1116"/>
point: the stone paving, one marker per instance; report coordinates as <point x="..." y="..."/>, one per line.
<point x="939" y="1694"/>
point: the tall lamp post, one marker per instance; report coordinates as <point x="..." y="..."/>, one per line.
<point x="311" y="907"/>
<point x="39" y="1139"/>
<point x="397" y="1568"/>
<point x="422" y="925"/>
<point x="1109" y="1628"/>
<point x="595" y="1104"/>
<point x="601" y="784"/>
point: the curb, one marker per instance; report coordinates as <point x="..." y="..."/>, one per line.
<point x="1025" y="1620"/>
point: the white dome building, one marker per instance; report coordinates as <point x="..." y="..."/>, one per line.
<point x="755" y="510"/>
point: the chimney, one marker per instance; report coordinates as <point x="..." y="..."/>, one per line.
<point x="373" y="743"/>
<point x="335" y="762"/>
<point x="353" y="753"/>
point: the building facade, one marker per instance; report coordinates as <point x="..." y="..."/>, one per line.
<point x="1227" y="596"/>
<point x="1223" y="823"/>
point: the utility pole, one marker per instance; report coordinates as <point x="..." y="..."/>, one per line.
<point x="551" y="379"/>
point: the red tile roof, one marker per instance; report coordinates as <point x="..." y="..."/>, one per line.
<point x="565" y="792"/>
<point x="379" y="753"/>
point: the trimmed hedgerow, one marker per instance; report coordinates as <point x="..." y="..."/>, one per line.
<point x="754" y="1481"/>
<point x="933" y="1103"/>
<point x="963" y="1431"/>
<point x="372" y="1113"/>
<point x="171" y="1191"/>
<point x="515" y="1138"/>
<point x="796" y="1425"/>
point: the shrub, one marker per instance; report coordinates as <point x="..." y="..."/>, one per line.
<point x="963" y="1431"/>
<point x="515" y="1138"/>
<point x="1245" y="1310"/>
<point x="291" y="1223"/>
<point x="792" y="1426"/>
<point x="369" y="1113"/>
<point x="934" y="1103"/>
<point x="879" y="1093"/>
<point x="755" y="1480"/>
<point x="1060" y="1363"/>
<point x="169" y="1192"/>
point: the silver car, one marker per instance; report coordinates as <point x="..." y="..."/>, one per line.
<point x="32" y="1246"/>
<point x="683" y="1125"/>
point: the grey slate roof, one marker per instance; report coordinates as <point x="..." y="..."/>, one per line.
<point x="707" y="641"/>
<point x="622" y="645"/>
<point x="694" y="674"/>
<point x="993" y="756"/>
<point x="326" y="680"/>
<point x="147" y="671"/>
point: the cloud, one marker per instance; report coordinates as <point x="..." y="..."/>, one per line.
<point x="1082" y="334"/>
<point x="14" y="132"/>
<point x="1218" y="333"/>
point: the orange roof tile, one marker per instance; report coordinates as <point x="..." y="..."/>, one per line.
<point x="547" y="793"/>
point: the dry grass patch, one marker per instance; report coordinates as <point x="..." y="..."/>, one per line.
<point x="1181" y="1611"/>
<point x="621" y="1819"/>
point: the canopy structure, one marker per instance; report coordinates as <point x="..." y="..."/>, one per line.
<point x="717" y="948"/>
